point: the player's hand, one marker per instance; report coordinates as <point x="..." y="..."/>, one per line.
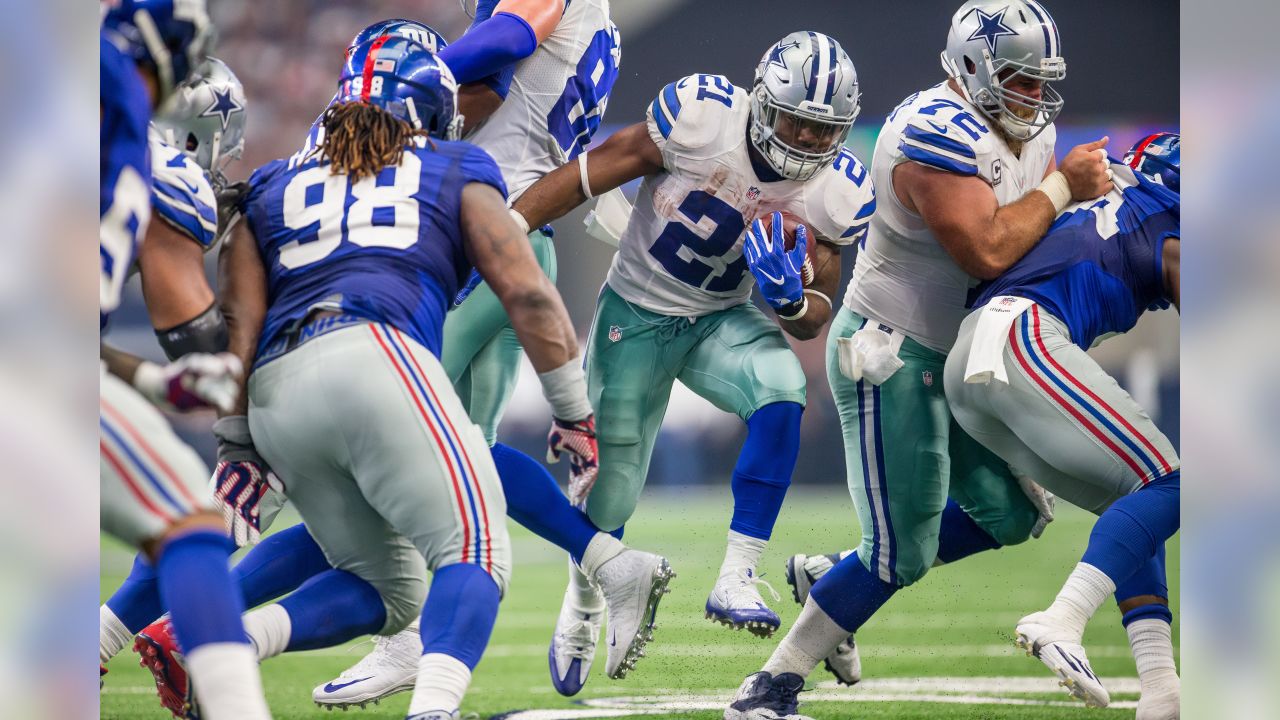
<point x="473" y="282"/>
<point x="198" y="380"/>
<point x="778" y="272"/>
<point x="229" y="213"/>
<point x="1088" y="171"/>
<point x="578" y="440"/>
<point x="241" y="480"/>
<point x="1042" y="499"/>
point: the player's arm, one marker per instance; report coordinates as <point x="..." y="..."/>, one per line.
<point x="628" y="154"/>
<point x="510" y="35"/>
<point x="983" y="237"/>
<point x="476" y="102"/>
<point x="1170" y="262"/>
<point x="242" y="278"/>
<point x="818" y="294"/>
<point x="177" y="294"/>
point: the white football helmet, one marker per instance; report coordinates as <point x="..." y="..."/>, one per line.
<point x="993" y="40"/>
<point x="805" y="82"/>
<point x="206" y="119"/>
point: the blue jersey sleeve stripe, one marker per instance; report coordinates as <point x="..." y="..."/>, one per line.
<point x="938" y="160"/>
<point x="940" y="141"/>
<point x="855" y="229"/>
<point x="660" y="117"/>
<point x="186" y="224"/>
<point x="866" y="210"/>
<point x="185" y="202"/>
<point x="671" y="101"/>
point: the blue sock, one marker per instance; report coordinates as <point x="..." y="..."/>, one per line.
<point x="960" y="536"/>
<point x="137" y="602"/>
<point x="850" y="594"/>
<point x="1158" y="611"/>
<point x="1130" y="532"/>
<point x="196" y="586"/>
<point x="1149" y="580"/>
<point x="534" y="500"/>
<point x="763" y="472"/>
<point x="278" y="565"/>
<point x="458" y="616"/>
<point x="332" y="608"/>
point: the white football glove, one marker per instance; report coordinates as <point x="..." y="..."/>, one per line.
<point x="1042" y="499"/>
<point x="198" y="380"/>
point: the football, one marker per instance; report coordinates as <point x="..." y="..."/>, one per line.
<point x="789" y="223"/>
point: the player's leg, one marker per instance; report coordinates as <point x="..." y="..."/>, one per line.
<point x="153" y="496"/>
<point x="743" y="365"/>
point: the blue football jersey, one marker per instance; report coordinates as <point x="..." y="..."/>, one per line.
<point x="1099" y="266"/>
<point x="387" y="248"/>
<point x="124" y="204"/>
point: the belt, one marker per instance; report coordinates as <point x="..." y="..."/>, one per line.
<point x="320" y="322"/>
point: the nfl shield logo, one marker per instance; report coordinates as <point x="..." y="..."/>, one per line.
<point x="615" y="333"/>
<point x="927" y="376"/>
<point x="753" y="193"/>
<point x="1007" y="301"/>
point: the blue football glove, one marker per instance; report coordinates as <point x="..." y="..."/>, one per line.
<point x="779" y="273"/>
<point x="473" y="282"/>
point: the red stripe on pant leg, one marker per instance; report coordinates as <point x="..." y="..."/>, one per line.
<point x="1164" y="466"/>
<point x="133" y="487"/>
<point x="118" y="419"/>
<point x="1031" y="371"/>
<point x="457" y="491"/>
<point x="462" y="449"/>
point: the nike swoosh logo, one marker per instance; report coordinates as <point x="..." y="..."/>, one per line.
<point x="942" y="129"/>
<point x="613" y="638"/>
<point x="330" y="687"/>
<point x="772" y="279"/>
<point x="195" y="189"/>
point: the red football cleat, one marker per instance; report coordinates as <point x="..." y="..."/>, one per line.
<point x="158" y="647"/>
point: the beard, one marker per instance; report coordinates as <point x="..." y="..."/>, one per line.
<point x="1021" y="112"/>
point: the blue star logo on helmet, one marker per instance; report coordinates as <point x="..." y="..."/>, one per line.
<point x="991" y="28"/>
<point x="775" y="55"/>
<point x="224" y="106"/>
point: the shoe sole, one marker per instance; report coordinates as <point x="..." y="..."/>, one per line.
<point x="1073" y="687"/>
<point x="661" y="579"/>
<point x="152" y="658"/>
<point x="759" y="628"/>
<point x="361" y="703"/>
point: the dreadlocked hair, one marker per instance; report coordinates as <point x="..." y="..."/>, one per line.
<point x="361" y="139"/>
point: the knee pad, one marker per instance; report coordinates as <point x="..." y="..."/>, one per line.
<point x="1016" y="525"/>
<point x="402" y="598"/>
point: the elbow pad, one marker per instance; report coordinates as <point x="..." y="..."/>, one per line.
<point x="489" y="47"/>
<point x="205" y="333"/>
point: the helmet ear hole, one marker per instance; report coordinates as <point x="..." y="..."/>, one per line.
<point x="969" y="66"/>
<point x="193" y="142"/>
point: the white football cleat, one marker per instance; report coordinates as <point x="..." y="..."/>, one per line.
<point x="1044" y="636"/>
<point x="633" y="583"/>
<point x="735" y="602"/>
<point x="802" y="572"/>
<point x="573" y="646"/>
<point x="392" y="667"/>
<point x="1162" y="701"/>
<point x="763" y="696"/>
<point x="435" y="715"/>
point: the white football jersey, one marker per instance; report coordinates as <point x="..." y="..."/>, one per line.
<point x="681" y="253"/>
<point x="181" y="193"/>
<point x="903" y="276"/>
<point x="557" y="97"/>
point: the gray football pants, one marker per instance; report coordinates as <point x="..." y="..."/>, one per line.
<point x="1061" y="419"/>
<point x="378" y="455"/>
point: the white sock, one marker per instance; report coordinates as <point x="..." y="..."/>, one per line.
<point x="227" y="683"/>
<point x="581" y="591"/>
<point x="1084" y="592"/>
<point x="811" y="639"/>
<point x="269" y="629"/>
<point x="442" y="681"/>
<point x="742" y="553"/>
<point x="602" y="548"/>
<point x="112" y="634"/>
<point x="1151" y="640"/>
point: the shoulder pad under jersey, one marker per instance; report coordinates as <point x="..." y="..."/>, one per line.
<point x="692" y="112"/>
<point x="182" y="195"/>
<point x="945" y="135"/>
<point x="847" y="198"/>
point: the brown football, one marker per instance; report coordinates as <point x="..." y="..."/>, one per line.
<point x="789" y="223"/>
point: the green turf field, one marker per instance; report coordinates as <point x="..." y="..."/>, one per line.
<point x="940" y="650"/>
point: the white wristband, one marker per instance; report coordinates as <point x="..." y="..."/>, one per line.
<point x="1055" y="187"/>
<point x="520" y="221"/>
<point x="582" y="176"/>
<point x="149" y="380"/>
<point x="566" y="390"/>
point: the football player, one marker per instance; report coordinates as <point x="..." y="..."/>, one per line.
<point x="1019" y="380"/>
<point x="152" y="485"/>
<point x="352" y="319"/>
<point x="676" y="305"/>
<point x="968" y="168"/>
<point x="170" y="263"/>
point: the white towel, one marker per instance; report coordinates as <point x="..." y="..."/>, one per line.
<point x="986" y="352"/>
<point x="870" y="354"/>
<point x="609" y="219"/>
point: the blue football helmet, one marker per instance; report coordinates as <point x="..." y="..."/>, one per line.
<point x="1159" y="157"/>
<point x="398" y="27"/>
<point x="172" y="36"/>
<point x="405" y="79"/>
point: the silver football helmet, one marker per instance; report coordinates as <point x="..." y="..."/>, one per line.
<point x="207" y="119"/>
<point x="990" y="42"/>
<point x="804" y="100"/>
